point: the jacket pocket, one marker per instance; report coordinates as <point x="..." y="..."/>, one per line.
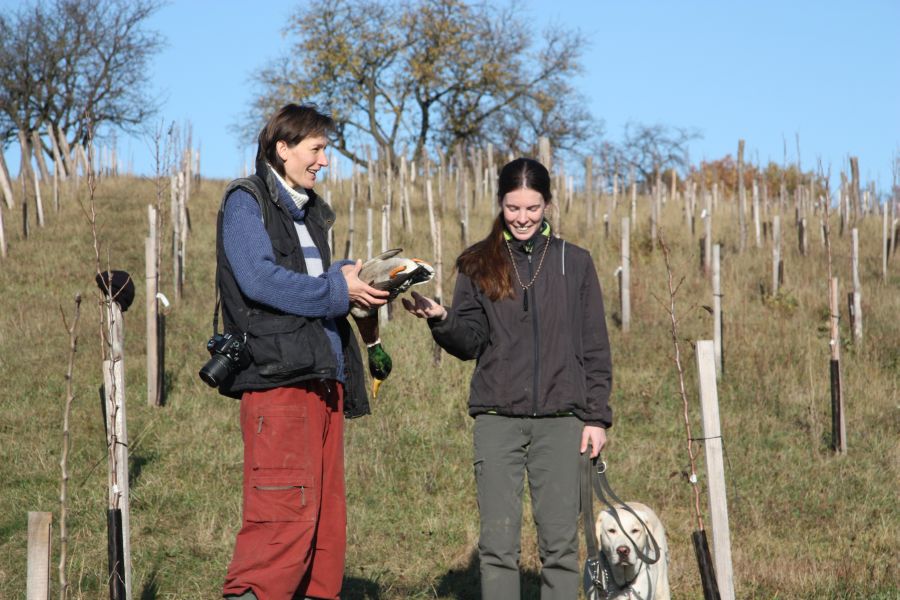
<point x="280" y="346"/>
<point x="281" y="498"/>
<point x="279" y="438"/>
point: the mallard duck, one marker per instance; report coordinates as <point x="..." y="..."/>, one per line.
<point x="394" y="274"/>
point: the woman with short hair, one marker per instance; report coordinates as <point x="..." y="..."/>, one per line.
<point x="281" y="293"/>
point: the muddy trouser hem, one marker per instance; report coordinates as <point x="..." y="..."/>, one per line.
<point x="546" y="449"/>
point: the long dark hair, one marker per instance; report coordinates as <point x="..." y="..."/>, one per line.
<point x="486" y="262"/>
<point x="291" y="124"/>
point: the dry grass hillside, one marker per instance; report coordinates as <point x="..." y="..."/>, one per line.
<point x="804" y="522"/>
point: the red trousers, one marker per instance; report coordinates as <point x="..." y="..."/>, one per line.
<point x="293" y="536"/>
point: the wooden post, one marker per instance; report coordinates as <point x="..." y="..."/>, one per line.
<point x="384" y="313"/>
<point x="717" y="308"/>
<point x="175" y="197"/>
<point x="885" y="241"/>
<point x="633" y="219"/>
<point x="151" y="269"/>
<point x="756" y="216"/>
<point x="38" y="147"/>
<point x="857" y="288"/>
<point x="3" y="248"/>
<point x="776" y="254"/>
<point x="544" y="152"/>
<point x="38" y="570"/>
<point x="58" y="163"/>
<point x="625" y="276"/>
<point x="116" y="430"/>
<point x="435" y="225"/>
<point x="348" y="253"/>
<point x="368" y="232"/>
<point x="66" y="152"/>
<point x="5" y="184"/>
<point x="654" y="214"/>
<point x="838" y="424"/>
<point x="742" y="196"/>
<point x="56" y="186"/>
<point x="715" y="468"/>
<point x="707" y="234"/>
<point x="589" y="191"/>
<point x="25" y="168"/>
<point x="803" y="236"/>
<point x="38" y="202"/>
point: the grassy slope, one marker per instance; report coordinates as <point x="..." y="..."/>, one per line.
<point x="804" y="524"/>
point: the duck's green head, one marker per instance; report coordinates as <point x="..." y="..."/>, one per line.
<point x="380" y="366"/>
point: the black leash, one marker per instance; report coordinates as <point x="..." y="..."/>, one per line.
<point x="593" y="479"/>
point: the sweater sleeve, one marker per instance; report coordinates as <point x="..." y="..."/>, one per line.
<point x="249" y="252"/>
<point x="597" y="358"/>
<point x="465" y="332"/>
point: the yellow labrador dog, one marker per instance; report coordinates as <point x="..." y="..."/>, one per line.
<point x="626" y="575"/>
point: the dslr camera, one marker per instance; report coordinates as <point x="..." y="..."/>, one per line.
<point x="228" y="355"/>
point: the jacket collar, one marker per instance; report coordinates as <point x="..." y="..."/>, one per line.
<point x="528" y="246"/>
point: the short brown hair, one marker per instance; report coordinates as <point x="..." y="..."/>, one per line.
<point x="291" y="124"/>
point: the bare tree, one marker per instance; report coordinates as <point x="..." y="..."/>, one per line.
<point x="426" y="74"/>
<point x="69" y="63"/>
<point x="652" y="149"/>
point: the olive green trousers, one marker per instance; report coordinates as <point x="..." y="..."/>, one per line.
<point x="546" y="450"/>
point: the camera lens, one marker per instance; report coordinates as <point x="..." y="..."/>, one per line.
<point x="216" y="369"/>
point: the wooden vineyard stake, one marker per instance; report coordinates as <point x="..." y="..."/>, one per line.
<point x="348" y="252"/>
<point x="6" y="185"/>
<point x="625" y="276"/>
<point x="435" y="225"/>
<point x="38" y="202"/>
<point x="707" y="235"/>
<point x="368" y="232"/>
<point x="715" y="468"/>
<point x="38" y="570"/>
<point x="717" y="308"/>
<point x="776" y="254"/>
<point x="742" y="197"/>
<point x="38" y="148"/>
<point x="57" y="155"/>
<point x="756" y="215"/>
<point x="885" y="241"/>
<point x="838" y="424"/>
<point x="3" y="249"/>
<point x="589" y="192"/>
<point x="151" y="269"/>
<point x="856" y="297"/>
<point x="117" y="446"/>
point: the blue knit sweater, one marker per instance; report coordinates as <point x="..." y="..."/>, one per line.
<point x="249" y="252"/>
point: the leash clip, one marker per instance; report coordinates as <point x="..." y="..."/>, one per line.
<point x="601" y="467"/>
<point x="596" y="574"/>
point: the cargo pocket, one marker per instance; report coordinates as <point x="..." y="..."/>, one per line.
<point x="281" y="498"/>
<point x="279" y="437"/>
<point x="280" y="346"/>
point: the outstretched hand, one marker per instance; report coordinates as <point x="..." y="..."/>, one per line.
<point x="362" y="294"/>
<point x="424" y="308"/>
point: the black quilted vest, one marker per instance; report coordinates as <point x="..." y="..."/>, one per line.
<point x="286" y="349"/>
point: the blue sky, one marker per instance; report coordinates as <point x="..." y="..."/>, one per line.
<point x="764" y="71"/>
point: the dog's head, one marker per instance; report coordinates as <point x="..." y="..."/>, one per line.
<point x="619" y="550"/>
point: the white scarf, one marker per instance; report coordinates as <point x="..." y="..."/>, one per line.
<point x="300" y="198"/>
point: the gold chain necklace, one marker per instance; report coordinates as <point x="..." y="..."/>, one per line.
<point x="536" y="273"/>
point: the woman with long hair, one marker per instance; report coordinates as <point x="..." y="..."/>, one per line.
<point x="527" y="307"/>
